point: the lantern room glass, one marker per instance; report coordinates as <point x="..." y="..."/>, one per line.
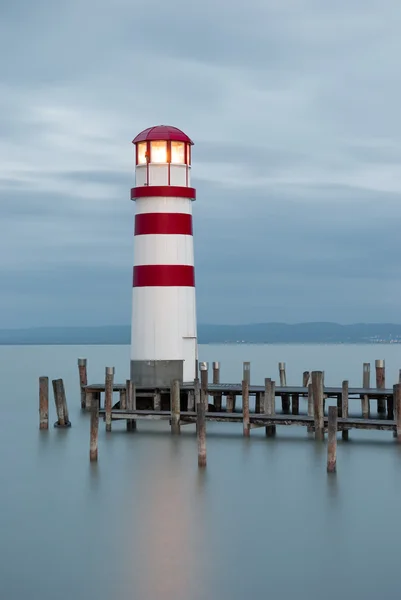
<point x="141" y="153"/>
<point x="178" y="153"/>
<point x="158" y="152"/>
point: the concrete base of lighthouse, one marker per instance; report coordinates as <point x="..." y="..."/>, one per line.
<point x="156" y="373"/>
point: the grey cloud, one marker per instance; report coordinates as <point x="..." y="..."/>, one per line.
<point x="293" y="108"/>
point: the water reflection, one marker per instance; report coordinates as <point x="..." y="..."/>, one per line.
<point x="166" y="513"/>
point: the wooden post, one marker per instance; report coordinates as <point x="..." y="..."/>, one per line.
<point x="61" y="404"/>
<point x="380" y="384"/>
<point x="390" y="407"/>
<point x="310" y="407"/>
<point x="366" y="385"/>
<point x="246" y="372"/>
<point x="397" y="405"/>
<point x="108" y="395"/>
<point x="191" y="401"/>
<point x="230" y="402"/>
<point x="344" y="407"/>
<point x="317" y="391"/>
<point x="204" y="382"/>
<point x="216" y="372"/>
<point x="157" y="400"/>
<point x="270" y="404"/>
<point x="305" y="378"/>
<point x="245" y="408"/>
<point x="339" y="406"/>
<point x="64" y="397"/>
<point x="201" y="431"/>
<point x="94" y="428"/>
<point x="204" y="375"/>
<point x="295" y="404"/>
<point x="285" y="398"/>
<point x="131" y="403"/>
<point x="332" y="440"/>
<point x="43" y="403"/>
<point x="123" y="399"/>
<point x="88" y="399"/>
<point x="216" y="379"/>
<point x="83" y="380"/>
<point x="259" y="402"/>
<point x="175" y="406"/>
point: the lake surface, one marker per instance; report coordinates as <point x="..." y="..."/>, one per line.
<point x="263" y="520"/>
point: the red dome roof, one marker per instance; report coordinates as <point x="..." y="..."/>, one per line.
<point x="162" y="132"/>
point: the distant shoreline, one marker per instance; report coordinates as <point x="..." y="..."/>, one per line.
<point x="254" y="333"/>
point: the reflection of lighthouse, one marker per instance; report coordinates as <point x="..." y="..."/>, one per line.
<point x="163" y="333"/>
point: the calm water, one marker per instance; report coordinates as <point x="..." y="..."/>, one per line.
<point x="264" y="519"/>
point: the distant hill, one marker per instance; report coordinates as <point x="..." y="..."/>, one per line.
<point x="255" y="333"/>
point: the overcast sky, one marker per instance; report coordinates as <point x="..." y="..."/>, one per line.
<point x="294" y="108"/>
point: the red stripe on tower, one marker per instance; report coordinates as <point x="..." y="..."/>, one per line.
<point x="163" y="223"/>
<point x="164" y="275"/>
<point x="167" y="191"/>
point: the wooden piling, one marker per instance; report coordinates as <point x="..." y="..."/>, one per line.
<point x="175" y="407"/>
<point x="344" y="407"/>
<point x="191" y="401"/>
<point x="216" y="379"/>
<point x="83" y="380"/>
<point x="295" y="404"/>
<point x="64" y="397"/>
<point x="94" y="429"/>
<point x="366" y="385"/>
<point x="285" y="398"/>
<point x="43" y="403"/>
<point x="204" y="375"/>
<point x="259" y="402"/>
<point x="380" y="384"/>
<point x="246" y="372"/>
<point x="204" y="381"/>
<point x="157" y="400"/>
<point x="332" y="440"/>
<point x="108" y="395"/>
<point x="201" y="431"/>
<point x="270" y="404"/>
<point x="61" y="404"/>
<point x="390" y="408"/>
<point x="317" y="391"/>
<point x="131" y="403"/>
<point x="397" y="407"/>
<point x="310" y="407"/>
<point x="245" y="408"/>
<point x="123" y="399"/>
<point x="339" y="406"/>
<point x="230" y="401"/>
<point x="305" y="378"/>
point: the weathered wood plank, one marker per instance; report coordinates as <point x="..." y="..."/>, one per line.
<point x="317" y="391"/>
<point x="245" y="407"/>
<point x="43" y="403"/>
<point x="108" y="398"/>
<point x="94" y="429"/>
<point x="332" y="440"/>
<point x="344" y="407"/>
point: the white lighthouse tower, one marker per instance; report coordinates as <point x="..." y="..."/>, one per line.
<point x="163" y="328"/>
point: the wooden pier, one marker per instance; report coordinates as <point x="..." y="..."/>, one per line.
<point x="269" y="405"/>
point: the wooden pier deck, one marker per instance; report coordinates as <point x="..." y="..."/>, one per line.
<point x="256" y="420"/>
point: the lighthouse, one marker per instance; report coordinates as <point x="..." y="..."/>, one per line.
<point x="163" y="327"/>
